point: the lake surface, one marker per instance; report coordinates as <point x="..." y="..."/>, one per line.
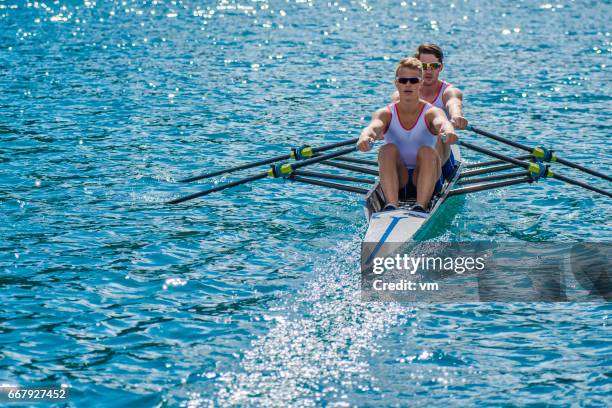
<point x="251" y="296"/>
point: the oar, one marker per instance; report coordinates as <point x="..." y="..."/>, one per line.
<point x="532" y="168"/>
<point x="539" y="152"/>
<point x="278" y="170"/>
<point x="300" y="152"/>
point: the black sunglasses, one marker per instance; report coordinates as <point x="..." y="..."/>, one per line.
<point x="412" y="80"/>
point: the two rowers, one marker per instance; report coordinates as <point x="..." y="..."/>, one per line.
<point x="416" y="157"/>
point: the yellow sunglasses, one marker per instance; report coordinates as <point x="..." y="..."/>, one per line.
<point x="431" y="65"/>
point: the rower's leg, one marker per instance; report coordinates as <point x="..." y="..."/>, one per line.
<point x="444" y="150"/>
<point x="426" y="174"/>
<point x="392" y="172"/>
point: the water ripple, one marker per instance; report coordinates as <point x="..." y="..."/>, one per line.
<point x="251" y="297"/>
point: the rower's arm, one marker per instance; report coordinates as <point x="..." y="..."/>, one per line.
<point x="454" y="106"/>
<point x="380" y="121"/>
<point x="440" y="124"/>
<point x="375" y="130"/>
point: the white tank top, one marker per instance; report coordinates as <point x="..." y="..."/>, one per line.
<point x="438" y="100"/>
<point x="408" y="141"/>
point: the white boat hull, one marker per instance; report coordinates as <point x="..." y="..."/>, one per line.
<point x="400" y="226"/>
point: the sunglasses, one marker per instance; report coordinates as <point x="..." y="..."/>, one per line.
<point x="431" y="65"/>
<point x="412" y="80"/>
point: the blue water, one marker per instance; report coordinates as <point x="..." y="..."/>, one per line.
<point x="251" y="296"/>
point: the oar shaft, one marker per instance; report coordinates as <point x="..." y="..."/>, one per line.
<point x="266" y="161"/>
<point x="318" y="159"/>
<point x="293" y="166"/>
<point x="494" y="154"/>
<point x="350" y="167"/>
<point x="581" y="184"/>
<point x="490" y="186"/>
<point x="336" y="186"/>
<point x="526" y="166"/>
<point x="494" y="177"/>
<point x="237" y="168"/>
<point x="530" y="149"/>
<point x="334" y="145"/>
<point x="340" y="177"/>
<point x="584" y="169"/>
<point x="494" y="162"/>
<point x="486" y="170"/>
<point x="500" y="139"/>
<point x="358" y="161"/>
<point x="219" y="188"/>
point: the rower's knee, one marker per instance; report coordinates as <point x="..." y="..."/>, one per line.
<point x="428" y="154"/>
<point x="388" y="151"/>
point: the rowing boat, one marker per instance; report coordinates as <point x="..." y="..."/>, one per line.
<point x="401" y="225"/>
<point x="389" y="230"/>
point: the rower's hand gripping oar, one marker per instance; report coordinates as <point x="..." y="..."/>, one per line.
<point x="539" y="153"/>
<point x="297" y="153"/>
<point x="278" y="170"/>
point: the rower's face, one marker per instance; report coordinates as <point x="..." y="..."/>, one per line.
<point x="430" y="75"/>
<point x="409" y="90"/>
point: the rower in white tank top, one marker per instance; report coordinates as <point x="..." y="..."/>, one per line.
<point x="438" y="101"/>
<point x="408" y="141"/>
<point x="448" y="168"/>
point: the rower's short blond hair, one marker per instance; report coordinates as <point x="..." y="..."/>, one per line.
<point x="410" y="63"/>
